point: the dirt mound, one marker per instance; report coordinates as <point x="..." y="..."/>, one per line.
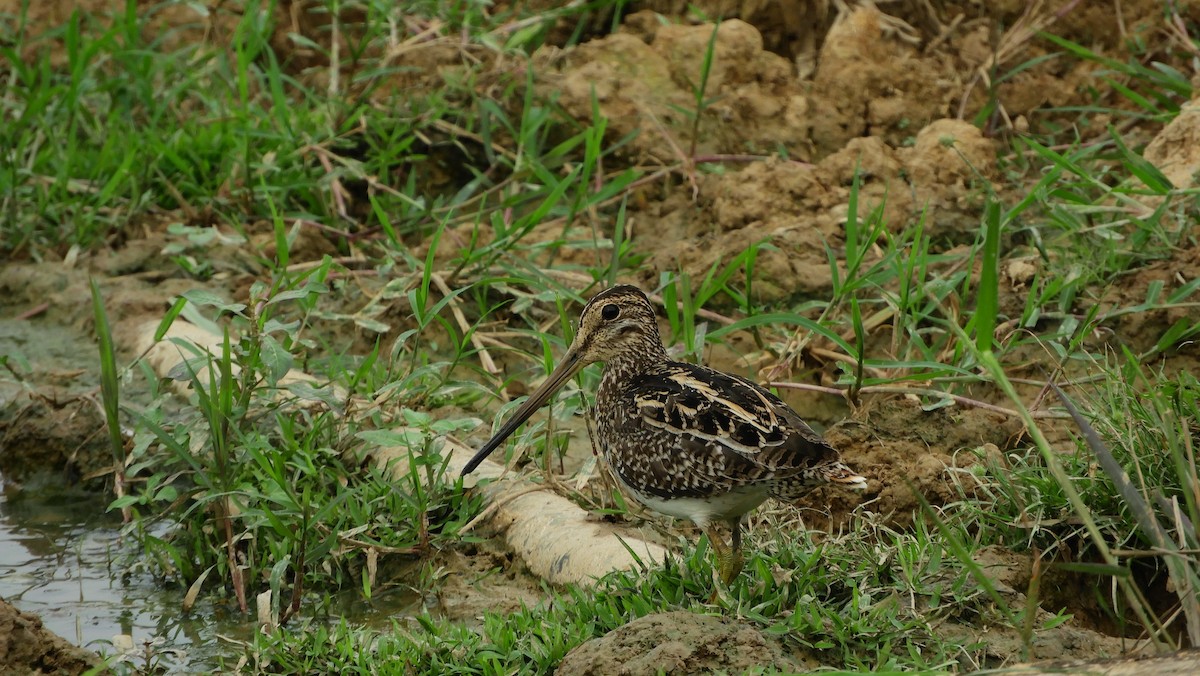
<point x="646" y="78"/>
<point x="679" y="643"/>
<point x="868" y="83"/>
<point x="26" y="647"/>
<point x="801" y="209"/>
<point x="1183" y="663"/>
<point x="53" y="432"/>
<point x="793" y="29"/>
<point x="1176" y="150"/>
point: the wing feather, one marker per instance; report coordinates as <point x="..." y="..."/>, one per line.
<point x="734" y="413"/>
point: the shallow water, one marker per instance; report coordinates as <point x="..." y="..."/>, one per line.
<point x="61" y="551"/>
<point x="60" y="559"/>
<point x="62" y="556"/>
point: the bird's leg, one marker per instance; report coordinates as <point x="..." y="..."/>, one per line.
<point x="720" y="552"/>
<point x="736" y="561"/>
<point x="727" y="566"/>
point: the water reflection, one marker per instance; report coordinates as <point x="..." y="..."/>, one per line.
<point x="61" y="557"/>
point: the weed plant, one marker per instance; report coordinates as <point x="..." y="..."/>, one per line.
<point x="258" y="484"/>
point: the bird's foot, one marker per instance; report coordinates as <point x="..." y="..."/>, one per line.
<point x="729" y="566"/>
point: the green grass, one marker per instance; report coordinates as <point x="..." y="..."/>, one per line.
<point x="461" y="202"/>
<point x="265" y="483"/>
<point x="218" y="134"/>
<point x="837" y="600"/>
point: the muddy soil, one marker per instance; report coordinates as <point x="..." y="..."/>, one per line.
<point x="486" y="579"/>
<point x="26" y="648"/>
<point x="681" y="643"/>
<point x="51" y="431"/>
<point x="837" y="87"/>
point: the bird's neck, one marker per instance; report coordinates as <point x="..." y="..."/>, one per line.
<point x="648" y="358"/>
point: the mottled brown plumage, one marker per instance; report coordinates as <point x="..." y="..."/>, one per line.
<point x="684" y="440"/>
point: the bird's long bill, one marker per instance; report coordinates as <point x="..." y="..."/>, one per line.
<point x="567" y="368"/>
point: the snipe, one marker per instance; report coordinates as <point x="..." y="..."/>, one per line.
<point x="684" y="440"/>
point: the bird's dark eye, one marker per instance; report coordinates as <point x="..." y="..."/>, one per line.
<point x="610" y="311"/>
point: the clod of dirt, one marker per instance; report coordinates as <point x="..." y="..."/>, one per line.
<point x="949" y="167"/>
<point x="645" y="82"/>
<point x="1009" y="572"/>
<point x="1001" y="643"/>
<point x="1183" y="663"/>
<point x="26" y="647"/>
<point x="869" y="83"/>
<point x="1176" y="149"/>
<point x="1092" y="633"/>
<point x="679" y="643"/>
<point x="53" y="432"/>
<point x="792" y="28"/>
<point x="783" y="203"/>
<point x="1141" y="331"/>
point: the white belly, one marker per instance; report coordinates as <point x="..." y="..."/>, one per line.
<point x="703" y="511"/>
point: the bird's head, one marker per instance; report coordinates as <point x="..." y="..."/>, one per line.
<point x="616" y="323"/>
